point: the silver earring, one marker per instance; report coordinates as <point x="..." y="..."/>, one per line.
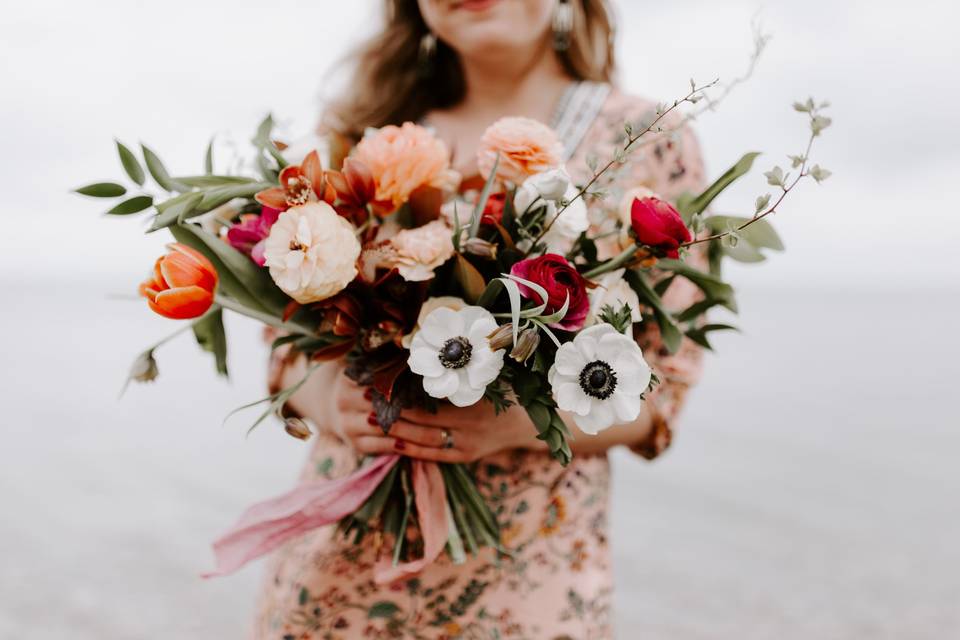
<point x="562" y="25"/>
<point x="428" y="47"/>
<point x="427" y="53"/>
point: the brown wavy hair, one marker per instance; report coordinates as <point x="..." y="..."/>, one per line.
<point x="390" y="84"/>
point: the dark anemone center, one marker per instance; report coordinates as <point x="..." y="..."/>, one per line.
<point x="598" y="380"/>
<point x="455" y="353"/>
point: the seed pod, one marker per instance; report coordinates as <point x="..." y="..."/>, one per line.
<point x="480" y="247"/>
<point x="144" y="368"/>
<point x="501" y="337"/>
<point x="526" y="345"/>
<point x="297" y="428"/>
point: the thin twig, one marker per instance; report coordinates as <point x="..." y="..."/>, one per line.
<point x="761" y="215"/>
<point x="662" y="113"/>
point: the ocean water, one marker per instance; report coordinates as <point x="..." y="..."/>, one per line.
<point x="811" y="491"/>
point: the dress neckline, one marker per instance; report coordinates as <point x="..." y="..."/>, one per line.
<point x="576" y="111"/>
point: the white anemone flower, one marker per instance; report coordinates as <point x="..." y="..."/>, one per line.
<point x="452" y="354"/>
<point x="600" y="377"/>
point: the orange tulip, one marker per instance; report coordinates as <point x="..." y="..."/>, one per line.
<point x="182" y="284"/>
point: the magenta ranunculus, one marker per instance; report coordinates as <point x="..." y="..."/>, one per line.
<point x="560" y="279"/>
<point x="249" y="234"/>
<point x="658" y="225"/>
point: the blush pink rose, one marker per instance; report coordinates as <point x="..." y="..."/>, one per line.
<point x="421" y="250"/>
<point x="402" y="159"/>
<point x="525" y="146"/>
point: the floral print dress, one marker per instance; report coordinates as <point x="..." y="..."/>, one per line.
<point x="557" y="582"/>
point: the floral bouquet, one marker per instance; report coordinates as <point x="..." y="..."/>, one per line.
<point x="434" y="292"/>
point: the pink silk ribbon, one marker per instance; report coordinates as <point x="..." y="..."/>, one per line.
<point x="268" y="524"/>
<point x="431" y="499"/>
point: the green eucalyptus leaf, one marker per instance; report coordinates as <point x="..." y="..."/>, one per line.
<point x="489" y="295"/>
<point x="102" y="190"/>
<point x="482" y="202"/>
<point x="130" y="164"/>
<point x="172" y="210"/>
<point x="699" y="334"/>
<point x="696" y="310"/>
<point x="213" y="198"/>
<point x="702" y="201"/>
<point x="212" y="337"/>
<point x="760" y="233"/>
<point x="206" y="181"/>
<point x="159" y="172"/>
<point x="208" y="158"/>
<point x="135" y="204"/>
<point x="262" y="137"/>
<point x="743" y="252"/>
<point x="662" y="286"/>
<point x="669" y="331"/>
<point x="712" y="286"/>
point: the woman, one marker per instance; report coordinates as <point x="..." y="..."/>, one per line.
<point x="458" y="65"/>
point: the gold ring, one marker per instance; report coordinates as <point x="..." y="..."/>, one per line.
<point x="446" y="439"/>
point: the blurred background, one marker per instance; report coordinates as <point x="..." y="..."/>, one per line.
<point x="812" y="489"/>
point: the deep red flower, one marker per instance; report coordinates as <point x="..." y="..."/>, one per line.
<point x="493" y="211"/>
<point x="658" y="225"/>
<point x="560" y="279"/>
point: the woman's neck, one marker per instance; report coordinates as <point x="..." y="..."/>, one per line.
<point x="503" y="85"/>
<point x="496" y="87"/>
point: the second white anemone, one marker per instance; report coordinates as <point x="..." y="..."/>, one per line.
<point x="452" y="354"/>
<point x="600" y="377"/>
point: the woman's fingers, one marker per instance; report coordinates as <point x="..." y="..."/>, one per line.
<point x="417" y="434"/>
<point x="445" y="417"/>
<point x="380" y="445"/>
<point x="374" y="445"/>
<point x="432" y="454"/>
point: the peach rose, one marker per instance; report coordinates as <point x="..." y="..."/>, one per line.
<point x="421" y="250"/>
<point x="525" y="146"/>
<point x="404" y="158"/>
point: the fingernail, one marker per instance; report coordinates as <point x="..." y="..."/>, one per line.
<point x="372" y="420"/>
<point x="399" y="445"/>
<point x="368" y="393"/>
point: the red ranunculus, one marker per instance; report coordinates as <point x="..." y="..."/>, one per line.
<point x="658" y="225"/>
<point x="560" y="279"/>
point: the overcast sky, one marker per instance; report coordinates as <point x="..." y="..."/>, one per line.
<point x="171" y="73"/>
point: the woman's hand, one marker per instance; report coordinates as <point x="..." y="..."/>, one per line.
<point x="455" y="434"/>
<point x="452" y="434"/>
